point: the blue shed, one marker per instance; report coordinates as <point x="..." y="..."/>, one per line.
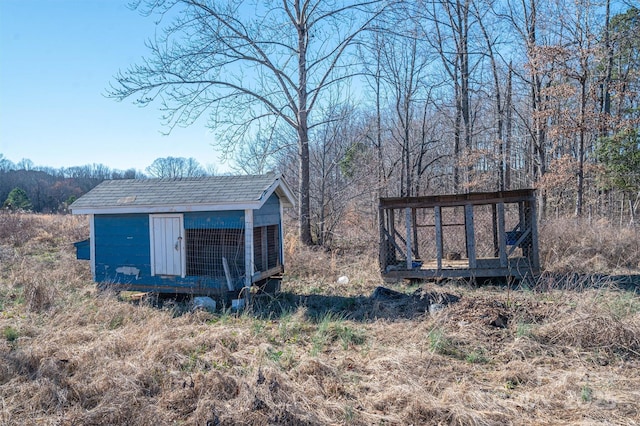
<point x="205" y="235"/>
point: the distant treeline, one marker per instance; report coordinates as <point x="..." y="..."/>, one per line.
<point x="24" y="186"/>
<point x="52" y="190"/>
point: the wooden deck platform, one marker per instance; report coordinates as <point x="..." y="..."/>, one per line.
<point x="518" y="268"/>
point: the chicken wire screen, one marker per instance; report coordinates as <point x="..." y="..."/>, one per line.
<point x="207" y="251"/>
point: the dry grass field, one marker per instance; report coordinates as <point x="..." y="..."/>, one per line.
<point x="564" y="351"/>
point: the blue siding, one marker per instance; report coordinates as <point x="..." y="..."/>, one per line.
<point x="122" y="241"/>
<point x="232" y="219"/>
<point x="83" y="250"/>
<point x="269" y="213"/>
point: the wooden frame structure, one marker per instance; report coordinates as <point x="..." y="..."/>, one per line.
<point x="489" y="234"/>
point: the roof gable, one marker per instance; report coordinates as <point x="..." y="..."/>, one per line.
<point x="183" y="194"/>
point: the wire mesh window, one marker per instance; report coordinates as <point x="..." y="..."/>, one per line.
<point x="209" y="249"/>
<point x="266" y="247"/>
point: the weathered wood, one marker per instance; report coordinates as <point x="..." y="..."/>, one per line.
<point x="264" y="248"/>
<point x="384" y="242"/>
<point x="535" y="253"/>
<point x="391" y="220"/>
<point x="438" y="220"/>
<point x="500" y="265"/>
<point x="407" y="220"/>
<point x="457" y="199"/>
<point x="494" y="222"/>
<point x="248" y="253"/>
<point x="470" y="233"/>
<point x="502" y="243"/>
<point x="414" y="225"/>
<point x="262" y="275"/>
<point x="392" y="242"/>
<point x="519" y="241"/>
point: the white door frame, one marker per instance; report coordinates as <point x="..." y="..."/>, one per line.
<point x="180" y="244"/>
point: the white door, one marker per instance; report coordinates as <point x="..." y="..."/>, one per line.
<point x="167" y="244"/>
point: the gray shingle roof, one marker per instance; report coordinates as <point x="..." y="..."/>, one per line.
<point x="199" y="193"/>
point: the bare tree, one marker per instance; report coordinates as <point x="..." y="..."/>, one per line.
<point x="259" y="155"/>
<point x="501" y="105"/>
<point x="453" y="24"/>
<point x="25" y="164"/>
<point x="6" y="164"/>
<point x="248" y="62"/>
<point x="403" y="70"/>
<point x="526" y="19"/>
<point x="175" y="167"/>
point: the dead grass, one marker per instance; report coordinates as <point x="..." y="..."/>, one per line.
<point x="320" y="353"/>
<point x="581" y="246"/>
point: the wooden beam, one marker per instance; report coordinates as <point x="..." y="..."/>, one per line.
<point x="382" y="253"/>
<point x="264" y="248"/>
<point x="454" y="200"/>
<point x="261" y="275"/>
<point x="437" y="212"/>
<point x="248" y="254"/>
<point x="471" y="240"/>
<point x="407" y="220"/>
<point x="494" y="230"/>
<point x="502" y="234"/>
<point x="92" y="245"/>
<point x="535" y="253"/>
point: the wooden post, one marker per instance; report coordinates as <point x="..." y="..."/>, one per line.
<point x="502" y="244"/>
<point x="281" y="235"/>
<point x="437" y="211"/>
<point x="248" y="254"/>
<point x="407" y="220"/>
<point x="384" y="244"/>
<point x="471" y="241"/>
<point x="265" y="249"/>
<point x="391" y="220"/>
<point x="535" y="253"/>
<point x="92" y="245"/>
<point x="494" y="229"/>
<point x="414" y="223"/>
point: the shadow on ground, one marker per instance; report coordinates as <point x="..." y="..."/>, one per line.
<point x="387" y="304"/>
<point x="383" y="303"/>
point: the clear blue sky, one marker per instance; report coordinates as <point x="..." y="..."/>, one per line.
<point x="57" y="57"/>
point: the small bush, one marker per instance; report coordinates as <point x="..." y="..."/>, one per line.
<point x="476" y="357"/>
<point x="10" y="334"/>
<point x="586" y="393"/>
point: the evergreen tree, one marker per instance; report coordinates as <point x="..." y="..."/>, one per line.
<point x="17" y="200"/>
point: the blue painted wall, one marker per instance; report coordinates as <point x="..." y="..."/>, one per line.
<point x="233" y="219"/>
<point x="269" y="213"/>
<point x="122" y="240"/>
<point x="83" y="250"/>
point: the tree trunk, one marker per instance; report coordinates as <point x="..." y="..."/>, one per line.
<point x="509" y="128"/>
<point x="581" y="142"/>
<point x="303" y="134"/>
<point x="605" y="105"/>
<point x="304" y="207"/>
<point x="463" y="51"/>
